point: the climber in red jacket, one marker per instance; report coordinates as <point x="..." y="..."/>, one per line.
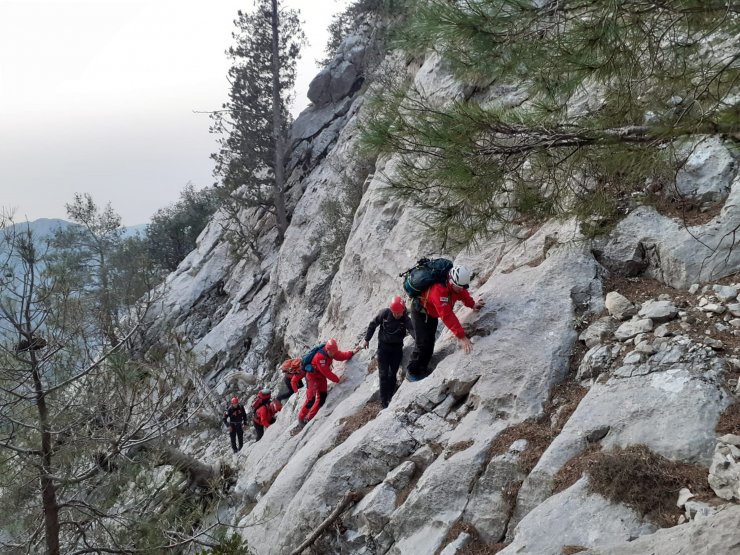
<point x="438" y="302"/>
<point x="265" y="410"/>
<point x="317" y="373"/>
<point x="293" y="375"/>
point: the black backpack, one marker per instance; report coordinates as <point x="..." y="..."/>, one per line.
<point x="426" y="273"/>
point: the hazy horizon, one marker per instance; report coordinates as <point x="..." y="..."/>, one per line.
<point x="99" y="97"/>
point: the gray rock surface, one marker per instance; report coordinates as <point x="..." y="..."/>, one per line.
<point x="600" y="330"/>
<point x="711" y="536"/>
<point x="658" y="311"/>
<point x="630" y="329"/>
<point x="708" y="172"/>
<point x="597" y="360"/>
<point x="619" y="306"/>
<point x="724" y="473"/>
<point x="561" y="520"/>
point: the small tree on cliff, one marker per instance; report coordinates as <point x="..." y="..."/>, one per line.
<point x="253" y="123"/>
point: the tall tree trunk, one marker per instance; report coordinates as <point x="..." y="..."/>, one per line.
<point x="277" y="129"/>
<point x="48" y="489"/>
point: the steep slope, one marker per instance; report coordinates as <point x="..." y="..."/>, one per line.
<point x="449" y="454"/>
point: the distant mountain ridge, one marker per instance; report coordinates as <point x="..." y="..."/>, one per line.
<point x="45" y="227"/>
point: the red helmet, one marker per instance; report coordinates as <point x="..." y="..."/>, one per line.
<point x="264" y="393"/>
<point x="397" y="304"/>
<point x="331" y="347"/>
<point x="235" y="400"/>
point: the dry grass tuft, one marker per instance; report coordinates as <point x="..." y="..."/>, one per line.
<point x="540" y="432"/>
<point x="572" y="471"/>
<point x="729" y="420"/>
<point x="351" y="424"/>
<point x="688" y="211"/>
<point x="538" y="435"/>
<point x="645" y="481"/>
<point x="457" y="447"/>
<point x="572" y="549"/>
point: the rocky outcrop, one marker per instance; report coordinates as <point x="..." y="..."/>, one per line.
<point x="716" y="534"/>
<point x="656" y="369"/>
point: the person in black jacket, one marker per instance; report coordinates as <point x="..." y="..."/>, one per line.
<point x="235" y="418"/>
<point x="394" y="324"/>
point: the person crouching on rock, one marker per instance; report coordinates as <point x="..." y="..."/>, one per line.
<point x="438" y="302"/>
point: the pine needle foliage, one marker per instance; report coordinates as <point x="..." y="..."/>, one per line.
<point x="610" y="92"/>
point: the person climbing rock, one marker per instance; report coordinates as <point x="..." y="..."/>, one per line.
<point x="292" y="378"/>
<point x="394" y="324"/>
<point x="265" y="410"/>
<point x="234" y="420"/>
<point x="317" y="364"/>
<point x="434" y="303"/>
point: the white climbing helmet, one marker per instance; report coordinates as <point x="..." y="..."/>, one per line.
<point x="460" y="276"/>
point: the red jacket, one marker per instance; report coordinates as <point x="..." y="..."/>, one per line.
<point x="264" y="416"/>
<point x="295" y="381"/>
<point x="292" y="368"/>
<point x="322" y="368"/>
<point x="439" y="302"/>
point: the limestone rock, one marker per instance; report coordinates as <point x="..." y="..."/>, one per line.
<point x="597" y="360"/>
<point x="632" y="328"/>
<point x="623" y="256"/>
<point x="724" y="472"/>
<point x="488" y="508"/>
<point x="560" y="521"/>
<point x="718" y="533"/>
<point x="600" y="330"/>
<point x="725" y="293"/>
<point x="658" y="311"/>
<point x="708" y="172"/>
<point x="619" y="306"/>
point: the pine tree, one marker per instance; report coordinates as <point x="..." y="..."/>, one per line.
<point x="78" y="417"/>
<point x="609" y="95"/>
<point x="254" y="121"/>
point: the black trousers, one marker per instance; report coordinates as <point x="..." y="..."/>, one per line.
<point x="389" y="359"/>
<point x="260" y="429"/>
<point x="236" y="432"/>
<point x="287" y="394"/>
<point x="425" y="331"/>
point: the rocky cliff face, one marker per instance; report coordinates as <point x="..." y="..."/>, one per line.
<point x="475" y="453"/>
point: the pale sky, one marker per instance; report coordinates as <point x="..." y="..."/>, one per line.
<point x="98" y="96"/>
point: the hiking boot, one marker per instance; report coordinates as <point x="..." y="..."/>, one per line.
<point x="413" y="377"/>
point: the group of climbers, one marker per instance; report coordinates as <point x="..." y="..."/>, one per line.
<point x="433" y="298"/>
